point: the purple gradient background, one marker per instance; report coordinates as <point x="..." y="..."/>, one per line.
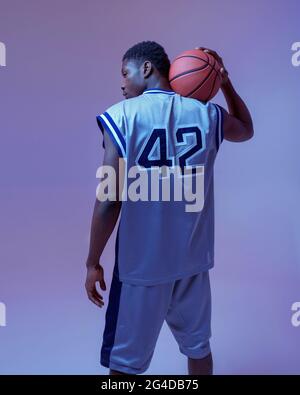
<point x="63" y="68"/>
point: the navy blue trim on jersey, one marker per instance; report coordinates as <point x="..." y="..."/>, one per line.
<point x="219" y="126"/>
<point x="112" y="312"/>
<point x="221" y="123"/>
<point x="153" y="90"/>
<point x="217" y="129"/>
<point x="105" y="121"/>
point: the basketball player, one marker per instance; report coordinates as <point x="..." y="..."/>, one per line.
<point x="163" y="253"/>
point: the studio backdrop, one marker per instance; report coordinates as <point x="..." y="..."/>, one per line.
<point x="60" y="67"/>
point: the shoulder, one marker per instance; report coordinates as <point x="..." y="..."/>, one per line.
<point x="133" y="105"/>
<point x="116" y="107"/>
<point x="190" y="101"/>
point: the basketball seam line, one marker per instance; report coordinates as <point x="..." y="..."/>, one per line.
<point x="201" y="83"/>
<point x="189" y="71"/>
<point x="192" y="56"/>
<point x="200" y="68"/>
<point x="213" y="85"/>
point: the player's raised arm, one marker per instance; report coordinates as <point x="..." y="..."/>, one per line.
<point x="237" y="123"/>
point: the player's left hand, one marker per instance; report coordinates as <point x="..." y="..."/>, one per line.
<point x="223" y="71"/>
<point x="95" y="274"/>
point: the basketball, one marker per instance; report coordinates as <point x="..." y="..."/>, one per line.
<point x="195" y="74"/>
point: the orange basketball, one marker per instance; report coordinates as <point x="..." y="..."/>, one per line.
<point x="195" y="74"/>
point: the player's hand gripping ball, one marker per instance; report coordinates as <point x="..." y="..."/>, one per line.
<point x="198" y="73"/>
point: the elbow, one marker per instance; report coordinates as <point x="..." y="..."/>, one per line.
<point x="239" y="136"/>
<point x="249" y="129"/>
<point x="111" y="203"/>
<point x="250" y="133"/>
<point x="247" y="136"/>
<point x="247" y="133"/>
<point x="107" y="203"/>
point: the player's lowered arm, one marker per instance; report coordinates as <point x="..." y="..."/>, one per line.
<point x="104" y="219"/>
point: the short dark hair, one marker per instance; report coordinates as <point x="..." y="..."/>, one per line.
<point x="149" y="50"/>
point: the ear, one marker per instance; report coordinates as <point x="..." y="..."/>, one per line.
<point x="147" y="67"/>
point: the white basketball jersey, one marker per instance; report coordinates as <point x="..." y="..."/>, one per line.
<point x="160" y="240"/>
